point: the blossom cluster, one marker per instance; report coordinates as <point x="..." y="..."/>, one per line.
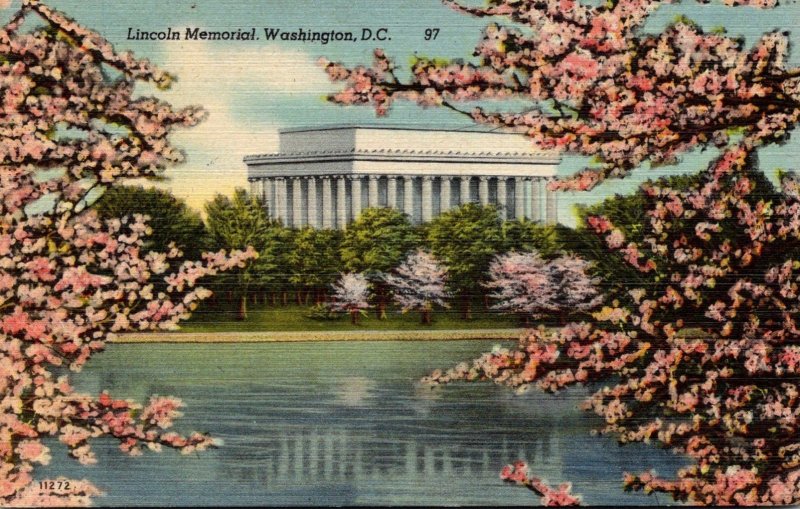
<point x="704" y="358"/>
<point x="558" y="497"/>
<point x="351" y="293"/>
<point x="527" y="283"/>
<point x="419" y="283"/>
<point x="68" y="280"/>
<point x="594" y="84"/>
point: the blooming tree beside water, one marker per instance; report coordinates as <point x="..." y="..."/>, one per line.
<point x="528" y="284"/>
<point x="69" y="280"/>
<point x="351" y="295"/>
<point x="521" y="283"/>
<point x="722" y="254"/>
<point x="376" y="242"/>
<point x="419" y="284"/>
<point x="575" y="290"/>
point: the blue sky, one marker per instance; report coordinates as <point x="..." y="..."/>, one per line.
<point x="251" y="89"/>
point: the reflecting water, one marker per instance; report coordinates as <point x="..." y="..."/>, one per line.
<point x="344" y="424"/>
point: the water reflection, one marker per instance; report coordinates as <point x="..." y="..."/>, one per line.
<point x="354" y="390"/>
<point x="326" y="454"/>
<point x="345" y="424"/>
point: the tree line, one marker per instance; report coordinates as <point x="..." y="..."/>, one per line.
<point x="305" y="265"/>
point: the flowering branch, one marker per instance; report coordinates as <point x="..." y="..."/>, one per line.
<point x="69" y="281"/>
<point x="593" y="84"/>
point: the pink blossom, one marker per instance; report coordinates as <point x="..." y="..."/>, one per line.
<point x="69" y="279"/>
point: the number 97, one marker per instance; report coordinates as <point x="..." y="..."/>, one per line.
<point x="431" y="34"/>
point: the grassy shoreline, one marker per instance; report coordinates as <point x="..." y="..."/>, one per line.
<point x="310" y="336"/>
<point x="296" y="318"/>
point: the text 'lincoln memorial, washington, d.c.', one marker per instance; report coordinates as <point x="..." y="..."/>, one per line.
<point x="323" y="177"/>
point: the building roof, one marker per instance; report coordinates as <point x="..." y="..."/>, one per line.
<point x="355" y="141"/>
<point x="391" y="127"/>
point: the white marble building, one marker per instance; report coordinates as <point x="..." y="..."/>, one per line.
<point x="323" y="177"/>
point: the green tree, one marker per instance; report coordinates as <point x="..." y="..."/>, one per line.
<point x="314" y="262"/>
<point x="171" y="219"/>
<point x="524" y="235"/>
<point x="466" y="239"/>
<point x="236" y="223"/>
<point x="375" y="243"/>
<point x="268" y="273"/>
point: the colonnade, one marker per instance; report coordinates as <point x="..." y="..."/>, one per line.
<point x="333" y="201"/>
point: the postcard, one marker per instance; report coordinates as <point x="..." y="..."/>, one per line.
<point x="361" y="252"/>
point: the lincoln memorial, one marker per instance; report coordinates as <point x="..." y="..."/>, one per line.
<point x="323" y="177"/>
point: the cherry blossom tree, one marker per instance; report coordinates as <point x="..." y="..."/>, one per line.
<point x="419" y="284"/>
<point x="69" y="281"/>
<point x="592" y="83"/>
<point x="376" y="242"/>
<point x="522" y="283"/>
<point x="722" y="390"/>
<point x="351" y="295"/>
<point x="575" y="290"/>
<point x="528" y="284"/>
<point x="703" y="357"/>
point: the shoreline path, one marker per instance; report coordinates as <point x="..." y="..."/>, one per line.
<point x="300" y="336"/>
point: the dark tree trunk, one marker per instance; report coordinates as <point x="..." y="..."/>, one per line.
<point x="426" y="317"/>
<point x="299" y="296"/>
<point x="242" y="313"/>
<point x="485" y="301"/>
<point x="354" y="317"/>
<point x="466" y="307"/>
<point x="273" y="298"/>
<point x="284" y="298"/>
<point x="380" y="309"/>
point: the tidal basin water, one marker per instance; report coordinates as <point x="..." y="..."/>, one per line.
<point x="343" y="423"/>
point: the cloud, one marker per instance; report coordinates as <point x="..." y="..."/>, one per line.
<point x="224" y="68"/>
<point x="217" y="76"/>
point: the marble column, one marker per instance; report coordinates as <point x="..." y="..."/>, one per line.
<point x="552" y="207"/>
<point x="253" y="189"/>
<point x="502" y="198"/>
<point x="483" y="190"/>
<point x="298" y="206"/>
<point x="391" y="192"/>
<point x="355" y="192"/>
<point x="408" y="197"/>
<point x="427" y="199"/>
<point x="373" y="191"/>
<point x="536" y="199"/>
<point x="519" y="198"/>
<point x="280" y="200"/>
<point x="313" y="203"/>
<point x="341" y="202"/>
<point x="327" y="202"/>
<point x="269" y="196"/>
<point x="445" y="194"/>
<point x="465" y="190"/>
